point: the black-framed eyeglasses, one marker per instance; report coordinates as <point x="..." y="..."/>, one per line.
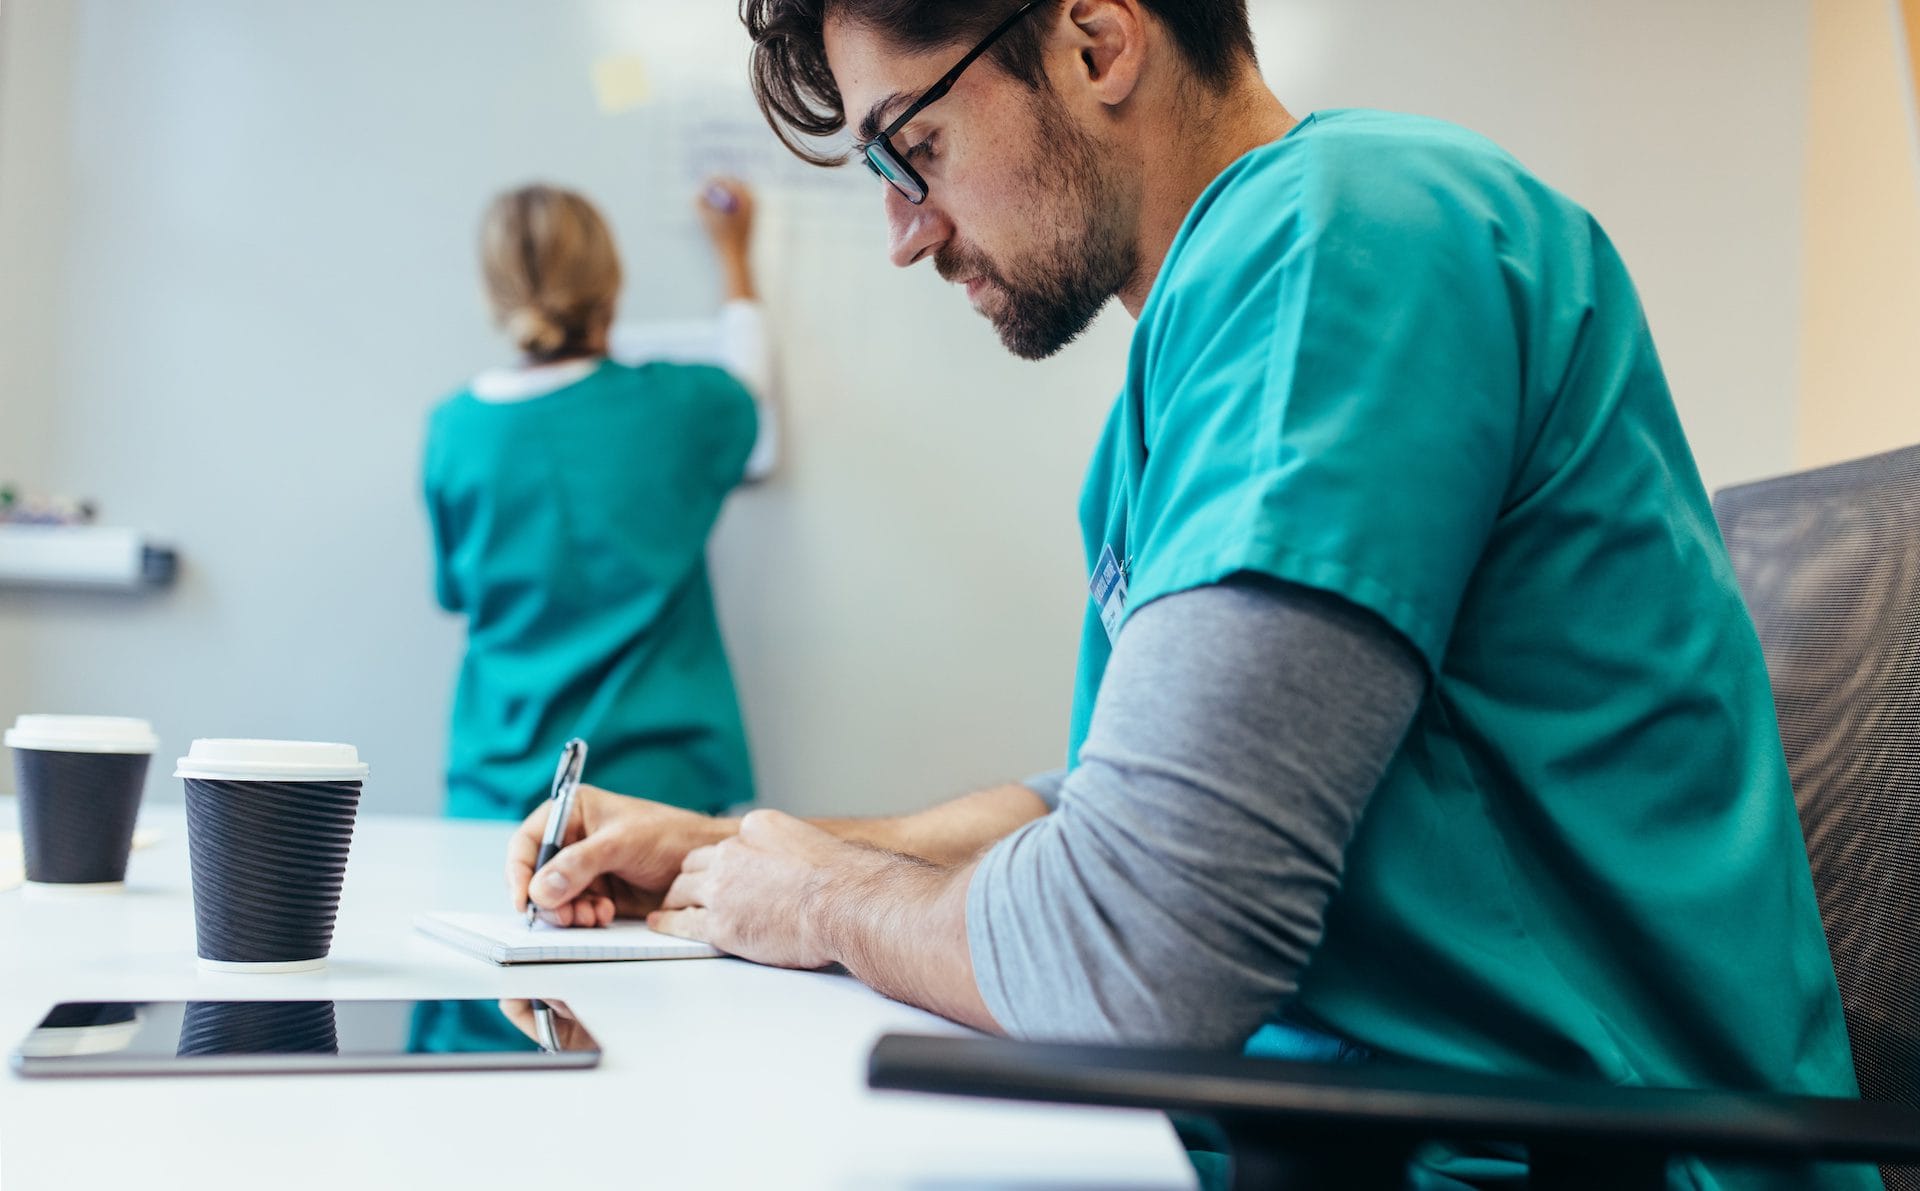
<point x="888" y="163"/>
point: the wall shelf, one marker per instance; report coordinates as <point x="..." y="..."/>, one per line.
<point x="93" y="557"/>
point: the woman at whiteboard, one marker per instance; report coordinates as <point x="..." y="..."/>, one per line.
<point x="571" y="496"/>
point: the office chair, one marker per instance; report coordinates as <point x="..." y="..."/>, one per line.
<point x="1829" y="564"/>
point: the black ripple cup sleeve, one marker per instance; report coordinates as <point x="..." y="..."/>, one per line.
<point x="76" y="814"/>
<point x="79" y="778"/>
<point x="269" y="861"/>
<point x="77" y="1015"/>
<point x="258" y="1028"/>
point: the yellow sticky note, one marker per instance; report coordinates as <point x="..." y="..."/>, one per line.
<point x="620" y="83"/>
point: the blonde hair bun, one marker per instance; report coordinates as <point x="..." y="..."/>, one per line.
<point x="551" y="271"/>
<point x="534" y="333"/>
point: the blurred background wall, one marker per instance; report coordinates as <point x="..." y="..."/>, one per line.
<point x="1860" y="358"/>
<point x="236" y="269"/>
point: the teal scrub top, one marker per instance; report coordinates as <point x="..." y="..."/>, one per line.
<point x="571" y="529"/>
<point x="1384" y="361"/>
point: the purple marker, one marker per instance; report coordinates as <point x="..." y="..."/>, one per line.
<point x="721" y="199"/>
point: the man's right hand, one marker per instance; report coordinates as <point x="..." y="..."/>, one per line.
<point x="620" y="854"/>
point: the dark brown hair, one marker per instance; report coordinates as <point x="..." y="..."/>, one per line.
<point x="801" y="101"/>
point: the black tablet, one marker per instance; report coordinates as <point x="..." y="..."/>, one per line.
<point x="259" y="1037"/>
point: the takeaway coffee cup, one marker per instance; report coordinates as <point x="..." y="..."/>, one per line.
<point x="79" y="779"/>
<point x="268" y="827"/>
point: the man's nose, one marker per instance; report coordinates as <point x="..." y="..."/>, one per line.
<point x="913" y="232"/>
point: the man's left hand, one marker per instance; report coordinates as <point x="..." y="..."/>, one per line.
<point x="769" y="893"/>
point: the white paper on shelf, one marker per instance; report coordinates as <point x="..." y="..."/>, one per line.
<point x="72" y="556"/>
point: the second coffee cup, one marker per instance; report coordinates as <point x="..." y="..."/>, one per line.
<point x="269" y="824"/>
<point x="80" y="779"/>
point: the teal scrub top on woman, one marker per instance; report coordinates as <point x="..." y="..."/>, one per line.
<point x="1384" y="361"/>
<point x="571" y="529"/>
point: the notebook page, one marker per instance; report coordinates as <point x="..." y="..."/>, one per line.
<point x="506" y="939"/>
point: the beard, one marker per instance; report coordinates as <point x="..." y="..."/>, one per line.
<point x="1051" y="295"/>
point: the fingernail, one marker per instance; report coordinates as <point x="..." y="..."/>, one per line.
<point x="553" y="883"/>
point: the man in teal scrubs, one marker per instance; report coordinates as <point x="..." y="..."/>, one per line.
<point x="1418" y="713"/>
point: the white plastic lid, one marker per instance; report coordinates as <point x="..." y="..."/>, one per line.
<point x="82" y="734"/>
<point x="272" y="761"/>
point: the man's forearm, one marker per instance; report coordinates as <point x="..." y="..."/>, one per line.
<point x="900" y="926"/>
<point x="953" y="832"/>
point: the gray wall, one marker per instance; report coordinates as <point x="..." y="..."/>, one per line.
<point x="235" y="271"/>
<point x="34" y="79"/>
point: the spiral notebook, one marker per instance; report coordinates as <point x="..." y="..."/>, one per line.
<point x="506" y="939"/>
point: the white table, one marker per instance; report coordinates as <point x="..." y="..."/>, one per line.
<point x="718" y="1073"/>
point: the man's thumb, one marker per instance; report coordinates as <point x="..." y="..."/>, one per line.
<point x="571" y="870"/>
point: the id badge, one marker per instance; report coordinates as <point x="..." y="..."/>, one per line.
<point x="1109" y="591"/>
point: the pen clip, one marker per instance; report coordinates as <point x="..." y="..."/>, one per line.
<point x="573" y="759"/>
<point x="566" y="781"/>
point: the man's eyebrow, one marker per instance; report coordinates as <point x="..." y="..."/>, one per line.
<point x="875" y="119"/>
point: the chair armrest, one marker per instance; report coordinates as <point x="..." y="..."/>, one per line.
<point x="1398" y="1106"/>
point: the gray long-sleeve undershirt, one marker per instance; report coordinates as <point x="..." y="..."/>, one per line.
<point x="1175" y="892"/>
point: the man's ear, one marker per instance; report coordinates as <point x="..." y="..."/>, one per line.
<point x="1110" y="42"/>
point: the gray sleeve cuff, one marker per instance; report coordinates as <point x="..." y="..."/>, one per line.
<point x="988" y="893"/>
<point x="1047" y="786"/>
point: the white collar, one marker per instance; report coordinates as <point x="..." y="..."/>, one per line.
<point x="536" y="380"/>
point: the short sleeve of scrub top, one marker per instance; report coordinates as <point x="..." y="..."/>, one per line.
<point x="736" y="425"/>
<point x="1310" y="384"/>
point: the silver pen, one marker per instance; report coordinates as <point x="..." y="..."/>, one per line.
<point x="566" y="780"/>
<point x="543" y="1027"/>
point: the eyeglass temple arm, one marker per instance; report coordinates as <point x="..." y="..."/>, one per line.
<point x="947" y="80"/>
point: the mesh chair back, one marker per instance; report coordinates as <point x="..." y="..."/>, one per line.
<point x="1829" y="564"/>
